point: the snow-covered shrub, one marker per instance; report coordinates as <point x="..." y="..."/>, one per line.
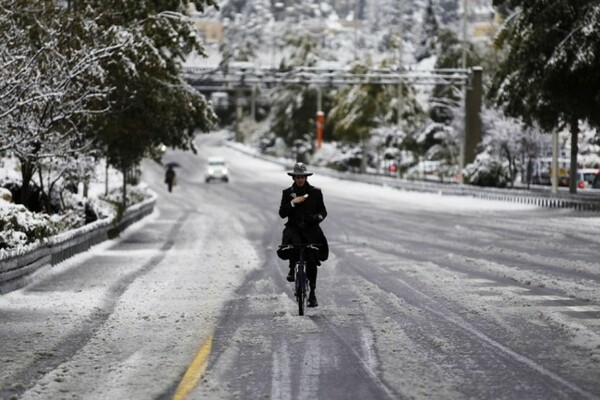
<point x="440" y="142"/>
<point x="487" y="170"/>
<point x="19" y="226"/>
<point x="266" y="142"/>
<point x="303" y="148"/>
<point x="79" y="210"/>
<point x="327" y="152"/>
<point x="135" y="194"/>
<point x="347" y="158"/>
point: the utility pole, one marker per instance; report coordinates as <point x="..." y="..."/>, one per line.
<point x="253" y="103"/>
<point x="554" y="167"/>
<point x="400" y="66"/>
<point x="473" y="103"/>
<point x="239" y="113"/>
<point x="464" y="34"/>
<point x="462" y="156"/>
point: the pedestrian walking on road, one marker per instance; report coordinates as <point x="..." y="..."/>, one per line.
<point x="170" y="178"/>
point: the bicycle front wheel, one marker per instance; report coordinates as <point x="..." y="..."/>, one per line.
<point x="301" y="290"/>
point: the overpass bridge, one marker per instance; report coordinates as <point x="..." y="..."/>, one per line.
<point x="234" y="77"/>
<point x="244" y="79"/>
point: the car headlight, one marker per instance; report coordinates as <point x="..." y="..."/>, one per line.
<point x="224" y="171"/>
<point x="211" y="171"/>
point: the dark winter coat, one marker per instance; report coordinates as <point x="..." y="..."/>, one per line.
<point x="304" y="218"/>
<point x="169" y="176"/>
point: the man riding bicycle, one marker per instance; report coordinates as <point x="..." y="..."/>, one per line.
<point x="302" y="204"/>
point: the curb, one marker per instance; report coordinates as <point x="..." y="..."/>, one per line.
<point x="17" y="267"/>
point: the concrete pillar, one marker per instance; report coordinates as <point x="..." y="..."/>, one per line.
<point x="473" y="101"/>
<point x="239" y="113"/>
<point x="253" y="103"/>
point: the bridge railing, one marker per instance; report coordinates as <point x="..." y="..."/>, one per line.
<point x="249" y="75"/>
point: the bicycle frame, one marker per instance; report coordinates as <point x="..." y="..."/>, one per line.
<point x="301" y="287"/>
<point x="301" y="283"/>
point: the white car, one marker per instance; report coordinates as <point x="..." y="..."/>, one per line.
<point x="585" y="177"/>
<point x="216" y="169"/>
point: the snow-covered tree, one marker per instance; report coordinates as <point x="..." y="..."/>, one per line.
<point x="428" y="33"/>
<point x="508" y="147"/>
<point x="504" y="135"/>
<point x="295" y="106"/>
<point x="551" y="73"/>
<point x="81" y="73"/>
<point x="52" y="82"/>
<point x="245" y="29"/>
<point x="589" y="147"/>
<point x="388" y="31"/>
<point x="446" y="98"/>
<point x="360" y="108"/>
<point x="152" y="104"/>
<point x="449" y="12"/>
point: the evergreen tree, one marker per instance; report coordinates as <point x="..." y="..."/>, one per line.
<point x="448" y="12"/>
<point x="246" y="31"/>
<point x="358" y="109"/>
<point x="390" y="22"/>
<point x="295" y="106"/>
<point x="552" y="70"/>
<point x="429" y="33"/>
<point x="445" y="99"/>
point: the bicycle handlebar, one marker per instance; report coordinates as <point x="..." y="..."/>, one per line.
<point x="300" y="246"/>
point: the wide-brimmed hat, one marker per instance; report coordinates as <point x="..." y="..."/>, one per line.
<point x="300" y="170"/>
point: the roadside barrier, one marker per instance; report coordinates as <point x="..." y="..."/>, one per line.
<point x="539" y="198"/>
<point x="17" y="267"/>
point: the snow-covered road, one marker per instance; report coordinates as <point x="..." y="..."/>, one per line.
<point x="423" y="297"/>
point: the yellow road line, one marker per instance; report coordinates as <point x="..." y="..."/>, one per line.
<point x="194" y="371"/>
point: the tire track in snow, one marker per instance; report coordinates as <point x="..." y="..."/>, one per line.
<point x="281" y="381"/>
<point x="432" y="306"/>
<point x="309" y="377"/>
<point x="75" y="341"/>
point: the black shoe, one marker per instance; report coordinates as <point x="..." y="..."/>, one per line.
<point x="312" y="299"/>
<point x="290" y="276"/>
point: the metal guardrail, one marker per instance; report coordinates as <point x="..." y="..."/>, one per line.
<point x="540" y="198"/>
<point x="16" y="269"/>
<point x="579" y="202"/>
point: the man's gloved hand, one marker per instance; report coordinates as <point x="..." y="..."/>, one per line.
<point x="316" y="218"/>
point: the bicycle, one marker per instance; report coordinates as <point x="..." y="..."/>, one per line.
<point x="301" y="280"/>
